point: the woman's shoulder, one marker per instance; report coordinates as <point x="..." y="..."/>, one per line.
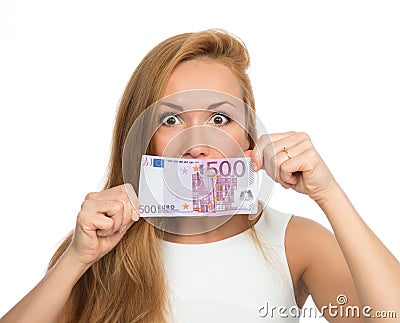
<point x="306" y="232"/>
<point x="305" y="242"/>
<point x="271" y="226"/>
<point x="305" y="239"/>
<point x="283" y="228"/>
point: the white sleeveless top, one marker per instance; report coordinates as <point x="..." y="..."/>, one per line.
<point x="229" y="280"/>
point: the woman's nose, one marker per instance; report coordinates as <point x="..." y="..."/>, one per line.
<point x="199" y="151"/>
<point x="197" y="142"/>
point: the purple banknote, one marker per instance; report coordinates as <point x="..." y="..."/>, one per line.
<point x="197" y="187"/>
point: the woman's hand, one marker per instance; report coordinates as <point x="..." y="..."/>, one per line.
<point x="292" y="161"/>
<point x="102" y="221"/>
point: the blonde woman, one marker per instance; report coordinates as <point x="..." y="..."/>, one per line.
<point x="117" y="267"/>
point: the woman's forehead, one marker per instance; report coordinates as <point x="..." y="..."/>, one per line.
<point x="200" y="99"/>
<point x="203" y="74"/>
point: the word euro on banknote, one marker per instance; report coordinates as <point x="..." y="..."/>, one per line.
<point x="197" y="187"/>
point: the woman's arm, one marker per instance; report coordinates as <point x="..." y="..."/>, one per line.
<point x="291" y="160"/>
<point x="44" y="302"/>
<point x="103" y="220"/>
<point x="375" y="271"/>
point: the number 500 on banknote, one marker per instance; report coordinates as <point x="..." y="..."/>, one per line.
<point x="197" y="187"/>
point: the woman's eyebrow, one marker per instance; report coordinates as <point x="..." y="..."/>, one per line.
<point x="171" y="105"/>
<point x="216" y="105"/>
<point x="210" y="107"/>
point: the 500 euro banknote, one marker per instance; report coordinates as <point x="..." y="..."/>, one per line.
<point x="197" y="187"/>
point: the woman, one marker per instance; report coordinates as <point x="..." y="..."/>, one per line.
<point x="117" y="267"/>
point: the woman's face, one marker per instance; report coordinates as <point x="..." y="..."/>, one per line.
<point x="213" y="128"/>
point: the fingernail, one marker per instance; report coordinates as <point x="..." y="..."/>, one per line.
<point x="254" y="165"/>
<point x="135" y="216"/>
<point x="123" y="228"/>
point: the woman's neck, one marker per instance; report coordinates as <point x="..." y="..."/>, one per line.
<point x="235" y="225"/>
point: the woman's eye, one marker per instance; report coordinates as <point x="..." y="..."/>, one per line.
<point x="170" y="120"/>
<point x="219" y="119"/>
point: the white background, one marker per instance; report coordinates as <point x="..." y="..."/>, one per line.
<point x="329" y="69"/>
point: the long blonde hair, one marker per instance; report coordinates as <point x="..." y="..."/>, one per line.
<point x="128" y="284"/>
